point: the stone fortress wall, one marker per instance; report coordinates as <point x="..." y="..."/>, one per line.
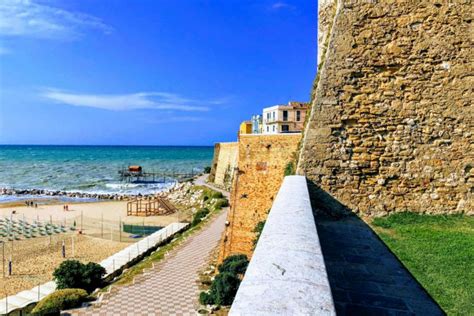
<point x="392" y="121"/>
<point x="224" y="164"/>
<point x="261" y="163"/>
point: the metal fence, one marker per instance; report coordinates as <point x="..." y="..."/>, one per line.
<point x="116" y="230"/>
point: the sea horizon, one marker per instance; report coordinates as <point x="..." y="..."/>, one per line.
<point x="104" y="145"/>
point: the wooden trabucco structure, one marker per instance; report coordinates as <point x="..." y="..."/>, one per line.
<point x="157" y="206"/>
<point x="136" y="174"/>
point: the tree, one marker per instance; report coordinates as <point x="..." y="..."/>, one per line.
<point x="74" y="274"/>
<point x="69" y="274"/>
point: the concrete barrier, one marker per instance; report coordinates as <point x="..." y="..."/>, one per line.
<point x="287" y="274"/>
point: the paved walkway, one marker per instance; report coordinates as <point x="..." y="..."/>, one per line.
<point x="365" y="277"/>
<point x="169" y="288"/>
<point x="202" y="181"/>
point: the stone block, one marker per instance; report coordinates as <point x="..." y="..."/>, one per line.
<point x="410" y="94"/>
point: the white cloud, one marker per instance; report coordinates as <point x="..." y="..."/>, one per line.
<point x="281" y="5"/>
<point x="31" y="19"/>
<point x="127" y="102"/>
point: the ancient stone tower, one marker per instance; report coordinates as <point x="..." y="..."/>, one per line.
<point x="391" y="127"/>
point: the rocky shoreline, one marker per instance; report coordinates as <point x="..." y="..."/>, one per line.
<point x="84" y="195"/>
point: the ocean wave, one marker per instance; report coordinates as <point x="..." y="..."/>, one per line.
<point x="120" y="186"/>
<point x="124" y="188"/>
<point x="94" y="169"/>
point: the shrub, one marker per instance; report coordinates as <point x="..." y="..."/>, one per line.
<point x="216" y="195"/>
<point x="92" y="276"/>
<point x="60" y="300"/>
<point x="205" y="298"/>
<point x="235" y="264"/>
<point x="199" y="216"/>
<point x="220" y="203"/>
<point x="289" y="169"/>
<point x="212" y="195"/>
<point x="223" y="288"/>
<point x="207" y="169"/>
<point x="69" y="274"/>
<point x="258" y="231"/>
<point x="226" y="283"/>
<point x="74" y="274"/>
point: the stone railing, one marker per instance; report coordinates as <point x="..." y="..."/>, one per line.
<point x="287" y="274"/>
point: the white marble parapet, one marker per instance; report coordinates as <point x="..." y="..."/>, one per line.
<point x="287" y="274"/>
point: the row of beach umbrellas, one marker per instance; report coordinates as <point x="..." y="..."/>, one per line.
<point x="22" y="229"/>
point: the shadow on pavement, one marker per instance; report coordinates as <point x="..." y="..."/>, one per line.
<point x="365" y="277"/>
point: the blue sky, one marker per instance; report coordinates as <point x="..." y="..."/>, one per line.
<point x="148" y="72"/>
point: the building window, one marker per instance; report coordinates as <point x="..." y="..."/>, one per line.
<point x="268" y="129"/>
<point x="298" y="116"/>
<point x="268" y="116"/>
<point x="273" y="125"/>
<point x="285" y="128"/>
<point x="285" y="116"/>
<point x="273" y="115"/>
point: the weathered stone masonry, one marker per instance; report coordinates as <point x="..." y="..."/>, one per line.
<point x="391" y="127"/>
<point x="261" y="164"/>
<point x="223" y="164"/>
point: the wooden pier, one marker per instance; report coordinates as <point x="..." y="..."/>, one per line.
<point x="136" y="174"/>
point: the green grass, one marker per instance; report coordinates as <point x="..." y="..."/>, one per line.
<point x="439" y="251"/>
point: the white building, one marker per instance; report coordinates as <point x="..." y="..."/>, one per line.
<point x="284" y="118"/>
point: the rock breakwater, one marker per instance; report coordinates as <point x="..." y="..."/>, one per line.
<point x="40" y="193"/>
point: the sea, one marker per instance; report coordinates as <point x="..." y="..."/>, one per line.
<point x="94" y="169"/>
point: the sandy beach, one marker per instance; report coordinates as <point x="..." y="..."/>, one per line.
<point x="98" y="233"/>
<point x="109" y="211"/>
<point x="35" y="259"/>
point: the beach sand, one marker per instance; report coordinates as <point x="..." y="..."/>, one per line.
<point x="109" y="211"/>
<point x="35" y="259"/>
<point x="101" y="223"/>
